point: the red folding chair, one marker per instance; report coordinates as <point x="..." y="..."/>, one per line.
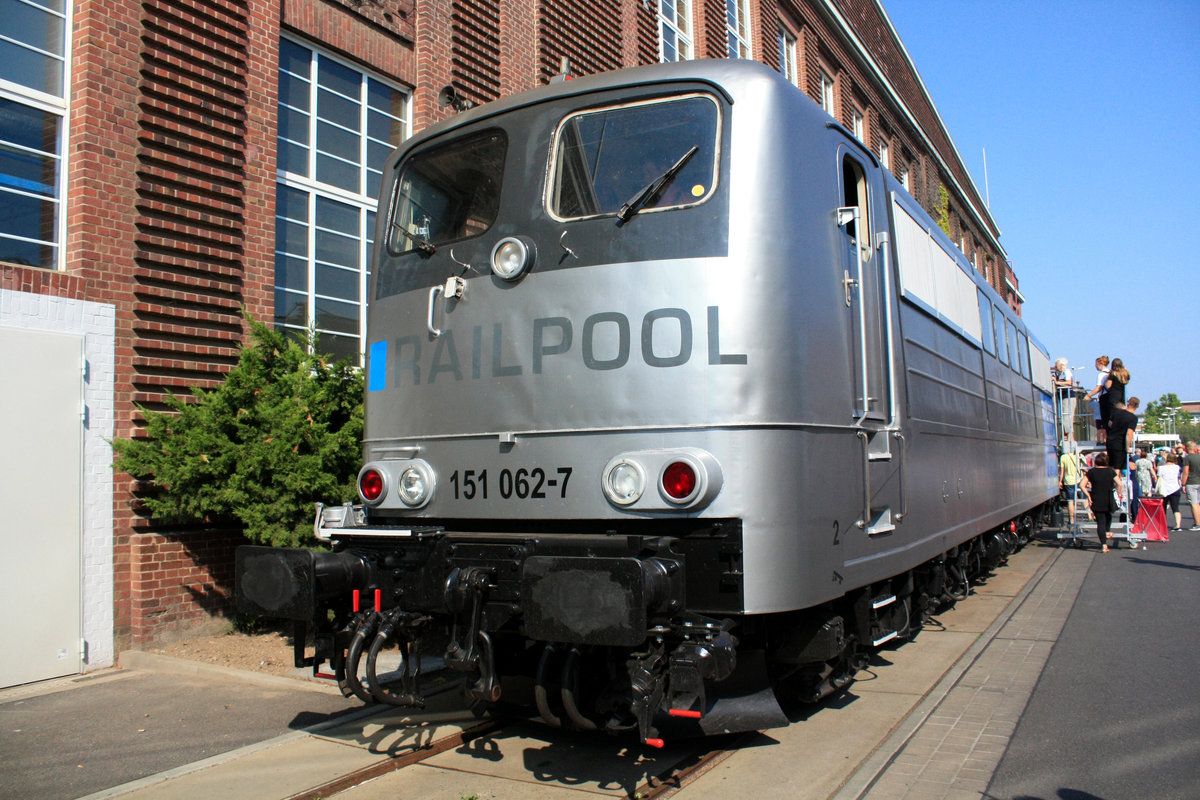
<point x="1151" y="520"/>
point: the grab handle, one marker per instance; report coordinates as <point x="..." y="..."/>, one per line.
<point x="433" y="293"/>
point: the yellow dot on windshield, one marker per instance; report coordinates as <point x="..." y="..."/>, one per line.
<point x="697" y="190"/>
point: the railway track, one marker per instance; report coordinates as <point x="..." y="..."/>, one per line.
<point x="686" y="762"/>
<point x="369" y="773"/>
<point x="709" y="753"/>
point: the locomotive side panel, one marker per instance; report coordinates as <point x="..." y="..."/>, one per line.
<point x="977" y="451"/>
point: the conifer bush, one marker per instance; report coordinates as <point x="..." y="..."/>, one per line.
<point x="283" y="431"/>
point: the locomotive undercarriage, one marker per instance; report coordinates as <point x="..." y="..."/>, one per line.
<point x="594" y="631"/>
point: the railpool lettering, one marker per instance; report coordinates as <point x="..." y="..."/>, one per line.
<point x="605" y="343"/>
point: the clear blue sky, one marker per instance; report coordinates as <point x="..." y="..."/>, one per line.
<point x="1090" y="116"/>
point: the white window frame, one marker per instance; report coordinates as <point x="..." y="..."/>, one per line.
<point x="828" y="94"/>
<point x="885" y="154"/>
<point x="683" y="32"/>
<point x="364" y="201"/>
<point x="737" y="28"/>
<point x="787" y="56"/>
<point x="857" y="123"/>
<point x="58" y="106"/>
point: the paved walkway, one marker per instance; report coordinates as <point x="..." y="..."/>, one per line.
<point x="1083" y="688"/>
<point x="951" y="744"/>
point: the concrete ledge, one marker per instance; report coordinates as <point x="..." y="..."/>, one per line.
<point x="154" y="662"/>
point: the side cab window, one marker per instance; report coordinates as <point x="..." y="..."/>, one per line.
<point x="987" y="335"/>
<point x="1001" y="339"/>
<point x="854" y="195"/>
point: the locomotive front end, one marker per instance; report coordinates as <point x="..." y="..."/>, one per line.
<point x="554" y="363"/>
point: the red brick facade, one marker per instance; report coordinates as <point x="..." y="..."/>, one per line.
<point x="171" y="179"/>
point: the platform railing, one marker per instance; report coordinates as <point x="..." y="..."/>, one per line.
<point x="1082" y="422"/>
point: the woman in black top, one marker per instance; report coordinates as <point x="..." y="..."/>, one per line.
<point x="1098" y="484"/>
<point x="1118" y="378"/>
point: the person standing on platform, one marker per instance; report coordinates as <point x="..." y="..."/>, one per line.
<point x="1118" y="379"/>
<point x="1101" y="398"/>
<point x="1122" y="428"/>
<point x="1191" y="482"/>
<point x="1098" y="484"/>
<point x="1064" y="385"/>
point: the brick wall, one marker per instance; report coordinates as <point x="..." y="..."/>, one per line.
<point x="182" y="583"/>
<point x="40" y="281"/>
<point x="203" y="254"/>
<point x="596" y="45"/>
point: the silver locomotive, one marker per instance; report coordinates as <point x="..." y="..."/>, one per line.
<point x="677" y="404"/>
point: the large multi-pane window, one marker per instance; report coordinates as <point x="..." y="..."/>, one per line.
<point x="32" y="111"/>
<point x="737" y="27"/>
<point x="674" y="30"/>
<point x="337" y="125"/>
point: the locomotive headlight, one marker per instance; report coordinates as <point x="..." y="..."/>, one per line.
<point x="687" y="478"/>
<point x="415" y="486"/>
<point x="512" y="257"/>
<point x="624" y="481"/>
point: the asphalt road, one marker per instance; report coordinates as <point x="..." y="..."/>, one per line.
<point x="1116" y="713"/>
<point x="122" y="727"/>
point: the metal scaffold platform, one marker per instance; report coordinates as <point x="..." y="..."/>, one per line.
<point x="1085" y="529"/>
<point x="1075" y="432"/>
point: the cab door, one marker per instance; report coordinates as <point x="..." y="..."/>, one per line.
<point x="863" y="250"/>
<point x="863" y="278"/>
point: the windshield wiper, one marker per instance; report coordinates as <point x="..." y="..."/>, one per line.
<point x="424" y="245"/>
<point x="652" y="189"/>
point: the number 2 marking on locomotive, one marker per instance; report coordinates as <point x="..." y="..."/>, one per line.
<point x="523" y="484"/>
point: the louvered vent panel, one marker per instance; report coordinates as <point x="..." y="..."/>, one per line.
<point x="475" y="46"/>
<point x="588" y="32"/>
<point x="191" y="195"/>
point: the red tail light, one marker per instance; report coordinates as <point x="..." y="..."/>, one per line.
<point x="679" y="480"/>
<point x="370" y="485"/>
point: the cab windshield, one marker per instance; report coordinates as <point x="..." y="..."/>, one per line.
<point x="605" y="159"/>
<point x="448" y="193"/>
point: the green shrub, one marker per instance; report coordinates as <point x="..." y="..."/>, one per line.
<point x="283" y="430"/>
